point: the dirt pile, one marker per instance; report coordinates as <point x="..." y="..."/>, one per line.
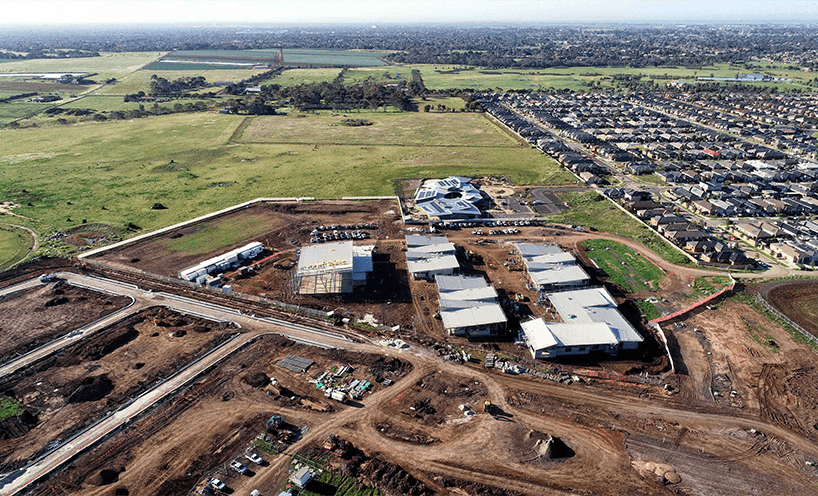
<point x="57" y="300"/>
<point x="392" y="432"/>
<point x="391" y="478"/>
<point x="106" y="476"/>
<point x="17" y="425"/>
<point x="476" y="488"/>
<point x="108" y="342"/>
<point x="257" y="380"/>
<point x="89" y="389"/>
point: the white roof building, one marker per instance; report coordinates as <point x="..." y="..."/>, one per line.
<point x="221" y="262"/>
<point x="591" y="322"/>
<point x="450" y="198"/>
<point x="549" y="267"/>
<point x="469" y="307"/>
<point x="333" y="267"/>
<point x="430" y="256"/>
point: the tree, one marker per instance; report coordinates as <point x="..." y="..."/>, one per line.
<point x="427" y="108"/>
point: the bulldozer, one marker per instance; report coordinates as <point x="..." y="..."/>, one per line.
<point x="488" y="407"/>
<point x="337" y="446"/>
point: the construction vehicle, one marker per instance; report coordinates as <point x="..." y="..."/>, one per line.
<point x="488" y="407"/>
<point x="337" y="446"/>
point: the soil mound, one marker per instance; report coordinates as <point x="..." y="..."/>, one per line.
<point x="90" y="389"/>
<point x="57" y="300"/>
<point x="530" y="446"/>
<point x="107" y="476"/>
<point x="392" y="479"/>
<point x="18" y="425"/>
<point x="110" y="342"/>
<point x="257" y="380"/>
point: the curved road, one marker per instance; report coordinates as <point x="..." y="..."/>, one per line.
<point x="586" y="440"/>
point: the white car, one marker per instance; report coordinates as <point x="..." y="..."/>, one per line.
<point x="254" y="458"/>
<point x="217" y="484"/>
<point x="238" y="467"/>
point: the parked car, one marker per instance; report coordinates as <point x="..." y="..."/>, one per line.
<point x="238" y="467"/>
<point x="217" y="484"/>
<point x="253" y="457"/>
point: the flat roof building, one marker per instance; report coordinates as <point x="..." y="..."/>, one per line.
<point x="430" y="256"/>
<point x="591" y="322"/>
<point x="550" y="268"/>
<point x="469" y="307"/>
<point x="333" y="268"/>
<point x="221" y="262"/>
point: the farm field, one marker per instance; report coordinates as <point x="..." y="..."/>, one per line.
<point x="292" y="56"/>
<point x="107" y="63"/>
<point x="94" y="165"/>
<point x="14" y="245"/>
<point x="397" y="129"/>
<point x="292" y="77"/>
<point x="141" y="79"/>
<point x="114" y="102"/>
<point x="441" y="77"/>
<point x="623" y="266"/>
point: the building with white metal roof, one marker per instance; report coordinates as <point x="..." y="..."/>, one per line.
<point x="221" y="263"/>
<point x="450" y="198"/>
<point x="430" y="256"/>
<point x="331" y="268"/>
<point x="469" y="306"/>
<point x="591" y="322"/>
<point x="549" y="267"/>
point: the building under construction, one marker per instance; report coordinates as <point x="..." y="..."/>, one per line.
<point x="332" y="268"/>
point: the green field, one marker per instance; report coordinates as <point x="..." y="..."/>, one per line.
<point x="396" y="129"/>
<point x="20" y="109"/>
<point x="443" y="77"/>
<point x="218" y="234"/>
<point x="113" y="102"/>
<point x="292" y="77"/>
<point x="108" y="64"/>
<point x="109" y="175"/>
<point x="707" y="285"/>
<point x="624" y="267"/>
<point x="589" y="209"/>
<point x="648" y="310"/>
<point x="14" y="245"/>
<point x="141" y="80"/>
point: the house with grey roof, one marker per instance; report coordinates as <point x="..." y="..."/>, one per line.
<point x="469" y="307"/>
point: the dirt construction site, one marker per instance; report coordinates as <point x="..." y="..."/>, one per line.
<point x="187" y="380"/>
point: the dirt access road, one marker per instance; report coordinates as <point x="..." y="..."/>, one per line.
<point x="601" y="463"/>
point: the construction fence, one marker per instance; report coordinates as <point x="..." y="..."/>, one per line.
<point x="786" y="319"/>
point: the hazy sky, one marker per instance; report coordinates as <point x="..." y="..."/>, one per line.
<point x="39" y="12"/>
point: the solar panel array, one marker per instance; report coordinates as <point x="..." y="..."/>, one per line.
<point x="295" y="364"/>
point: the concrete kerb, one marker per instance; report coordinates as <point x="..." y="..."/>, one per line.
<point x="130" y="419"/>
<point x="86" y="326"/>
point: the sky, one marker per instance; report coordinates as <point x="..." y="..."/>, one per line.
<point x="78" y="12"/>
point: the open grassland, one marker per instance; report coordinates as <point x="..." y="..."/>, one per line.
<point x="107" y="63"/>
<point x="112" y="102"/>
<point x="396" y="129"/>
<point x="14" y="245"/>
<point x="442" y="77"/>
<point x="631" y="271"/>
<point x="20" y="109"/>
<point x="141" y="80"/>
<point x="113" y="172"/>
<point x="218" y="234"/>
<point x="590" y="209"/>
<point x="293" y="77"/>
